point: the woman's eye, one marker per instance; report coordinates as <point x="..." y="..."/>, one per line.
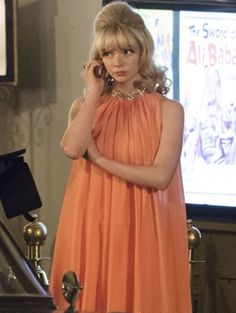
<point x="107" y="53"/>
<point x="127" y="51"/>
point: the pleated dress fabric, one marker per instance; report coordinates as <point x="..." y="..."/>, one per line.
<point x="126" y="243"/>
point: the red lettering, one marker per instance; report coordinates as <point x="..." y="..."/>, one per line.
<point x="192" y="55"/>
<point x="212" y="54"/>
<point x="221" y="56"/>
<point x="227" y="56"/>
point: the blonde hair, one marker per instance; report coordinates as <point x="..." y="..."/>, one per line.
<point x="117" y="24"/>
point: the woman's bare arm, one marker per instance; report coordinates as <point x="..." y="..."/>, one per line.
<point x="159" y="174"/>
<point x="78" y="133"/>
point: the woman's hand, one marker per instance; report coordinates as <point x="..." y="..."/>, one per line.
<point x="92" y="152"/>
<point x="93" y="83"/>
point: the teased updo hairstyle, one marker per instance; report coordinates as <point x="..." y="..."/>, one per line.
<point x="118" y="25"/>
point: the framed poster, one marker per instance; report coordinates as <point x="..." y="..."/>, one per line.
<point x="196" y="41"/>
<point x="8" y="42"/>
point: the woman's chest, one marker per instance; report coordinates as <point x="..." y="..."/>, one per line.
<point x="128" y="133"/>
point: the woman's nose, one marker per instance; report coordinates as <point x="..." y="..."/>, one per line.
<point x="117" y="59"/>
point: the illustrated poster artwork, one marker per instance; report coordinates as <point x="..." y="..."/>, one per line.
<point x="160" y="25"/>
<point x="207" y="62"/>
<point x="3" y="56"/>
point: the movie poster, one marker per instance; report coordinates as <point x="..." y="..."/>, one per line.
<point x="207" y="63"/>
<point x="160" y="25"/>
<point x="3" y="57"/>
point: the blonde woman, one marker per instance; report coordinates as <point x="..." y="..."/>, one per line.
<point x="122" y="227"/>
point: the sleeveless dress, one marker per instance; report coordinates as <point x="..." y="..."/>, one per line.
<point x="126" y="243"/>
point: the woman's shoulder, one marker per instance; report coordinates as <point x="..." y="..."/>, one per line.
<point x="172" y="111"/>
<point x="170" y="104"/>
<point x="76" y="105"/>
<point x="75" y="108"/>
<point x="168" y="108"/>
<point x="165" y="101"/>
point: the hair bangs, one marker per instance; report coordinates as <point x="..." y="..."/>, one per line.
<point x="115" y="37"/>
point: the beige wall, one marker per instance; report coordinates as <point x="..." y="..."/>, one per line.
<point x="53" y="46"/>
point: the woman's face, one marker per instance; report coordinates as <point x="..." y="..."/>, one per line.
<point x="122" y="64"/>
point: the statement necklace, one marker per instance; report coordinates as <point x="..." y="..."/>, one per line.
<point x="130" y="95"/>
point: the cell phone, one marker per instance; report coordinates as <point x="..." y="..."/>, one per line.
<point x="100" y="71"/>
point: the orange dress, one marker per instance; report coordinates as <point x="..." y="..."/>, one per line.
<point x="126" y="243"/>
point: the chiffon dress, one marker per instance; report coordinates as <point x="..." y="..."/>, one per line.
<point x="126" y="243"/>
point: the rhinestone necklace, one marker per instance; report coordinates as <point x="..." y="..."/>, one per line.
<point x="128" y="95"/>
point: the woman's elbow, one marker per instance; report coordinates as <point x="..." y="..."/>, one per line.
<point x="163" y="175"/>
<point x="162" y="183"/>
<point x="71" y="152"/>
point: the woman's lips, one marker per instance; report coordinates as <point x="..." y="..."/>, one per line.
<point x="120" y="73"/>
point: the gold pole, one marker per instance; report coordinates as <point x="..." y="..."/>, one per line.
<point x="35" y="234"/>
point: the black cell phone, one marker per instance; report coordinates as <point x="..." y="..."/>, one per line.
<point x="100" y="71"/>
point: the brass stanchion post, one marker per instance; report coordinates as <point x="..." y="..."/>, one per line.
<point x="35" y="234"/>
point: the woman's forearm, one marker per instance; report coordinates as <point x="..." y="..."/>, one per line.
<point x="77" y="136"/>
<point x="150" y="176"/>
<point x="78" y="133"/>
